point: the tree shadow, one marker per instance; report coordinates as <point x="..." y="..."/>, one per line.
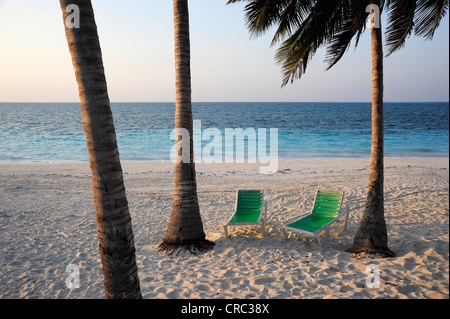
<point x="195" y="249"/>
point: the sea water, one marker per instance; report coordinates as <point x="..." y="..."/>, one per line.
<point x="53" y="132"/>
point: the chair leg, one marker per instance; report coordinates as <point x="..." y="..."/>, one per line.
<point x="265" y="211"/>
<point x="326" y="236"/>
<point x="346" y="218"/>
<point x="286" y="234"/>
<point x="263" y="231"/>
<point x="226" y="231"/>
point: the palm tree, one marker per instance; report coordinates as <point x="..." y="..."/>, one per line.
<point x="303" y="26"/>
<point x="185" y="227"/>
<point x="115" y="233"/>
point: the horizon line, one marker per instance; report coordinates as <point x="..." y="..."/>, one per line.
<point x="233" y="102"/>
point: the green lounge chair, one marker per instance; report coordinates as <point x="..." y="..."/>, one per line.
<point x="326" y="210"/>
<point x="250" y="209"/>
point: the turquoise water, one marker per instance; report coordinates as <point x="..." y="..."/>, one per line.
<point x="54" y="131"/>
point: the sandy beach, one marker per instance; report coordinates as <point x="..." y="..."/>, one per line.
<point x="47" y="223"/>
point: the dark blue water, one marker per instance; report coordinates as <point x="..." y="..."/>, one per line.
<point x="54" y="131"/>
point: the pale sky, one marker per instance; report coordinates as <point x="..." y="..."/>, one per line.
<point x="136" y="37"/>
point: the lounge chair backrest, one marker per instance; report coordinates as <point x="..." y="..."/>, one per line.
<point x="327" y="203"/>
<point x="249" y="201"/>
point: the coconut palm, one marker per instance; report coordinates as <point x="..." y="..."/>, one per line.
<point x="303" y="26"/>
<point x="115" y="233"/>
<point x="185" y="227"/>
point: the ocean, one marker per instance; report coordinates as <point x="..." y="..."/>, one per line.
<point x="53" y="132"/>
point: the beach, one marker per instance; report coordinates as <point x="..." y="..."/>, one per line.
<point x="47" y="223"/>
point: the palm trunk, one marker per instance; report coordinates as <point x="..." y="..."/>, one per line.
<point x="371" y="236"/>
<point x="115" y="233"/>
<point x="185" y="226"/>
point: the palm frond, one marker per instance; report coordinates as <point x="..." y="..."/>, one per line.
<point x="261" y="15"/>
<point x="291" y="16"/>
<point x="354" y="24"/>
<point x="323" y="22"/>
<point x="401" y="23"/>
<point x="303" y="26"/>
<point x="429" y="14"/>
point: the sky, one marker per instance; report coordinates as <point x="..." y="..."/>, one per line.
<point x="227" y="65"/>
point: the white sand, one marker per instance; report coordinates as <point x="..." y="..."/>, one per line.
<point x="47" y="223"/>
